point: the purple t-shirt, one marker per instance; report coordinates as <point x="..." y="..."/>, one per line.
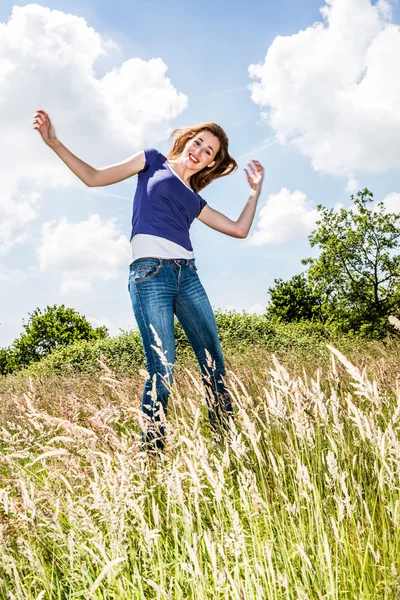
<point x="163" y="205"/>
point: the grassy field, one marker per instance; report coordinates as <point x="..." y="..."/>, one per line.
<point x="300" y="502"/>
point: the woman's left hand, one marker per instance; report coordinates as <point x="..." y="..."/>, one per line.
<point x="255" y="175"/>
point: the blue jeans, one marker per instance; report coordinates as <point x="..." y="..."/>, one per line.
<point x="159" y="289"/>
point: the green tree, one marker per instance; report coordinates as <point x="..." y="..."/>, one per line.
<point x="7" y="362"/>
<point x="45" y="331"/>
<point x="294" y="300"/>
<point x="358" y="269"/>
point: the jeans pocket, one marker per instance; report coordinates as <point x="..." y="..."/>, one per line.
<point x="144" y="269"/>
<point x="192" y="267"/>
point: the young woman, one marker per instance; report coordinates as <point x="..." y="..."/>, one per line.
<point x="163" y="279"/>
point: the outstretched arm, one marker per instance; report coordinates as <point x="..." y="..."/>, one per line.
<point x="90" y="176"/>
<point x="240" y="228"/>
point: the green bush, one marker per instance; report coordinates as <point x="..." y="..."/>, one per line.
<point x="238" y="332"/>
<point x="45" y="332"/>
<point x="122" y="353"/>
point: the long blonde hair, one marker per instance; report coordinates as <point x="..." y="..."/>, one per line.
<point x="224" y="163"/>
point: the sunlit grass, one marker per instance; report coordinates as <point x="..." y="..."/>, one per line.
<point x="300" y="502"/>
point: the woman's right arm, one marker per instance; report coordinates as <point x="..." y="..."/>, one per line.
<point x="89" y="175"/>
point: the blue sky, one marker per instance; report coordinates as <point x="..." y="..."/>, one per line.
<point x="323" y="121"/>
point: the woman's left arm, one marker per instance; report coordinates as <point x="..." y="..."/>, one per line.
<point x="240" y="228"/>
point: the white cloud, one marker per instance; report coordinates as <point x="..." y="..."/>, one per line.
<point x="48" y="60"/>
<point x="14" y="276"/>
<point x="353" y="186"/>
<point x="75" y="286"/>
<point x="84" y="252"/>
<point x="284" y="216"/>
<point x="392" y="202"/>
<point x="16" y="210"/>
<point x="333" y="90"/>
<point x="385" y="8"/>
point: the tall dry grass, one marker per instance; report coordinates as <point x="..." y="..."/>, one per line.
<point x="301" y="501"/>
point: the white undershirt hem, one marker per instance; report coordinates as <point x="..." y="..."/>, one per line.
<point x="144" y="245"/>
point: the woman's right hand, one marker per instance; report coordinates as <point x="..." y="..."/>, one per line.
<point x="41" y="122"/>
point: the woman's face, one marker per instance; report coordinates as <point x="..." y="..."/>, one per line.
<point x="200" y="151"/>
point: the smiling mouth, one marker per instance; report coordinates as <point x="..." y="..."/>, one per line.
<point x="193" y="159"/>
